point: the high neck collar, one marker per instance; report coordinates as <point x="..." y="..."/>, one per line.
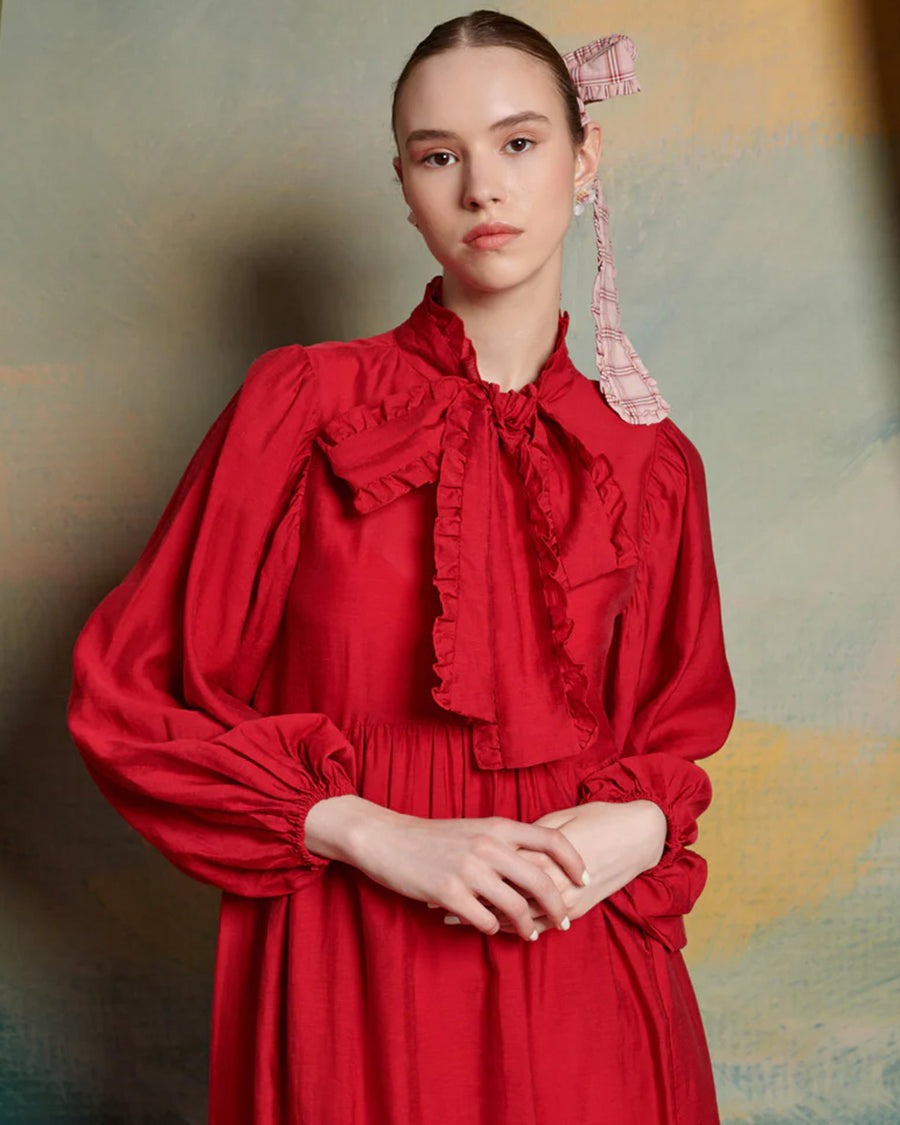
<point x="437" y="334"/>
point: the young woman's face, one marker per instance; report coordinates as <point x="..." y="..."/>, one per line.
<point x="462" y="163"/>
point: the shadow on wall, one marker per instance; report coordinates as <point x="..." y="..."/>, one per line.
<point x="108" y="950"/>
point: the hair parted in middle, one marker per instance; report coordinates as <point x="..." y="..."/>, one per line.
<point x="487" y="28"/>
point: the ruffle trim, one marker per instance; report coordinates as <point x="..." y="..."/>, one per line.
<point x="445" y="463"/>
<point x="422" y="468"/>
<point x="366" y="415"/>
<point x="575" y="681"/>
<point x="448" y="546"/>
<point x="613" y="500"/>
<point x="611" y="496"/>
<point x="384" y="489"/>
<point x="447" y="550"/>
<point x="601" y="89"/>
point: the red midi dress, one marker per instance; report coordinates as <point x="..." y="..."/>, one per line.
<point x="380" y="574"/>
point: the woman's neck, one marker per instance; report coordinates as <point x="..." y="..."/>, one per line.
<point x="512" y="330"/>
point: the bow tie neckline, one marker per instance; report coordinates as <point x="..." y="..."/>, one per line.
<point x="437" y="335"/>
<point x="524" y="512"/>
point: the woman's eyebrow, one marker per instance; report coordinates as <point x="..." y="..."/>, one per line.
<point x="503" y="123"/>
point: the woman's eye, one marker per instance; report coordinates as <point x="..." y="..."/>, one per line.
<point x="527" y="141"/>
<point x="431" y="155"/>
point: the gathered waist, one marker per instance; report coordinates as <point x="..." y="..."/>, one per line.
<point x="426" y="767"/>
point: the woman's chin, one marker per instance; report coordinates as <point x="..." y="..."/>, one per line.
<point x="489" y="274"/>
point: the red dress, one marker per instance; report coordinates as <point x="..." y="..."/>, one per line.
<point x="381" y="574"/>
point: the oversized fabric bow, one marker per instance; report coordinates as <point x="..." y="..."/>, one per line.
<point x="601" y="69"/>
<point x="509" y="539"/>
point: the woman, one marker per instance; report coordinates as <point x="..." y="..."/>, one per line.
<point x="432" y="621"/>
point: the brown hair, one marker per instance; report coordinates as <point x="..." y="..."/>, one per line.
<point x="486" y="28"/>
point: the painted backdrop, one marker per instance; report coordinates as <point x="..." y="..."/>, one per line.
<point x="185" y="185"/>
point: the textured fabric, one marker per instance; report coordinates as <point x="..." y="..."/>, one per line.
<point x="601" y="69"/>
<point x="507" y="524"/>
<point x="314" y="615"/>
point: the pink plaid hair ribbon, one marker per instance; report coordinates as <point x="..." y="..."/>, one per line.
<point x="603" y="69"/>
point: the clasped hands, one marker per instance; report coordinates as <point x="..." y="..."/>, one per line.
<point x="503" y="875"/>
<point x="616" y="841"/>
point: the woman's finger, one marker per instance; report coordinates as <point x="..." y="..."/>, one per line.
<point x="541" y="923"/>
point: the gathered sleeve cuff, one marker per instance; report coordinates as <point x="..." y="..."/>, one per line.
<point x="165" y="667"/>
<point x="677" y="686"/>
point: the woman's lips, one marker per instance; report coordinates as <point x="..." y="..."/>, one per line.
<point x="492" y="241"/>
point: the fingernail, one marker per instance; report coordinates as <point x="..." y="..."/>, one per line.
<point x="585" y="879"/>
<point x="451" y="920"/>
<point x="565" y="923"/>
<point x="533" y="936"/>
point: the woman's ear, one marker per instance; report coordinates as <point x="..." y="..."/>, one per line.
<point x="587" y="159"/>
<point x="398" y="169"/>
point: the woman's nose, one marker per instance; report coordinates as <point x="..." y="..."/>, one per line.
<point x="482" y="186"/>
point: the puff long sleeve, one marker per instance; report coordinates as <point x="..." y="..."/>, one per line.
<point x="165" y="667"/>
<point x="682" y="696"/>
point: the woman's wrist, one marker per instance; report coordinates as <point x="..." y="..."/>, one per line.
<point x="336" y="827"/>
<point x="656" y="832"/>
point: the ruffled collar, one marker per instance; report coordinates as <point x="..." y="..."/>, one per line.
<point x="437" y="335"/>
<point x="509" y="539"/>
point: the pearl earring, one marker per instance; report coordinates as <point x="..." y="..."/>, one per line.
<point x="582" y="197"/>
<point x="410" y="218"/>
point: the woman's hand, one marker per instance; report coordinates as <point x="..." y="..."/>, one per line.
<point x="487" y="870"/>
<point x="617" y="840"/>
